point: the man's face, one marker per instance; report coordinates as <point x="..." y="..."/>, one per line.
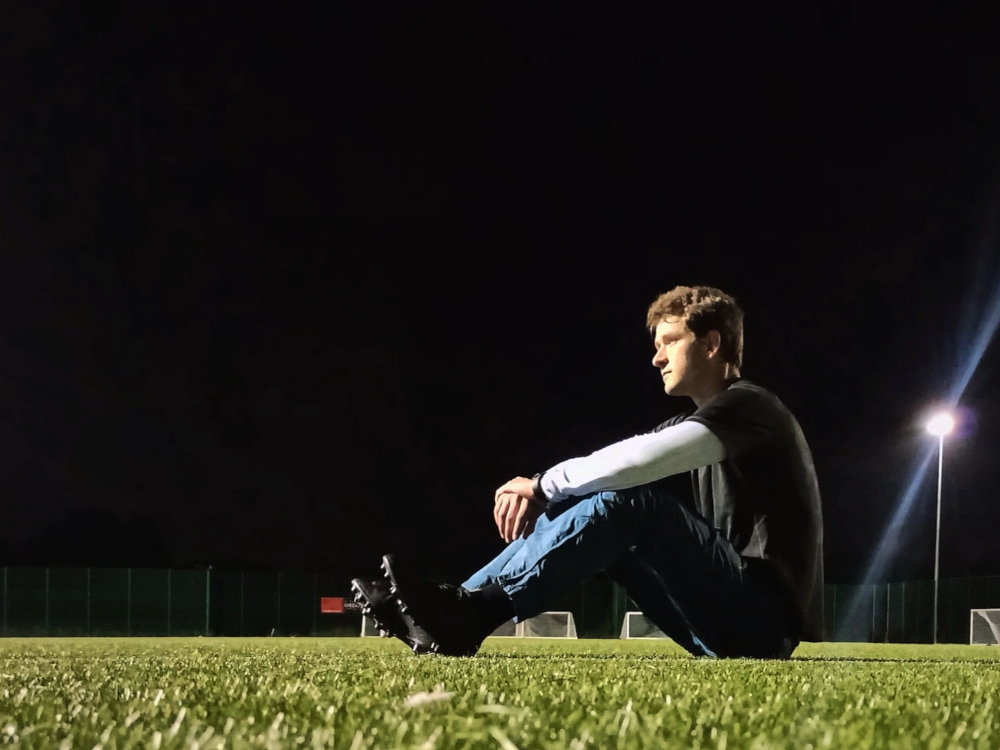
<point x="680" y="357"/>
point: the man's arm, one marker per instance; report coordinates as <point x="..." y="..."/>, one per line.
<point x="638" y="460"/>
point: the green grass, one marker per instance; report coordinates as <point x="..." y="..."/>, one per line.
<point x="352" y="693"/>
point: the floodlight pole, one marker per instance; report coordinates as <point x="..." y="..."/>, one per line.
<point x="937" y="536"/>
<point x="208" y="595"/>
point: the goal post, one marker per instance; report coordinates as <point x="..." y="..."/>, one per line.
<point x="509" y="629"/>
<point x="637" y="625"/>
<point x="550" y="625"/>
<point x="545" y="625"/>
<point x="368" y="628"/>
<point x="339" y="605"/>
<point x="984" y="627"/>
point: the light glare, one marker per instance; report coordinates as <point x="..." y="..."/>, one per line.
<point x="941" y="424"/>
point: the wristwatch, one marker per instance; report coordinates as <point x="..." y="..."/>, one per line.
<point x="536" y="489"/>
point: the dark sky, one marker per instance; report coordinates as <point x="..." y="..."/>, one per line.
<point x="295" y="288"/>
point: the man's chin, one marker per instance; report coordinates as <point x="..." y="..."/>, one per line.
<point x="673" y="389"/>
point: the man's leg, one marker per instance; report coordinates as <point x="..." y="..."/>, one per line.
<point x="489" y="573"/>
<point x="701" y="577"/>
<point x="482" y="601"/>
<point x="734" y="606"/>
<point x="648" y="591"/>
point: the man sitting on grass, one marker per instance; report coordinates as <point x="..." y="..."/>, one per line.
<point x="739" y="574"/>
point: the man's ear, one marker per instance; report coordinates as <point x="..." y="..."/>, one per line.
<point x="713" y="343"/>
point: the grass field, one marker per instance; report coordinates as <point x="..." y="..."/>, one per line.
<point x="354" y="693"/>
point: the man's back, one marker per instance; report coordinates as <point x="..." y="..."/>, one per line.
<point x="764" y="496"/>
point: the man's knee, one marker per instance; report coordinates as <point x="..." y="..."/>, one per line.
<point x="615" y="503"/>
<point x="600" y="506"/>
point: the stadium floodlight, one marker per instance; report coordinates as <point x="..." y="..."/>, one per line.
<point x="939" y="425"/>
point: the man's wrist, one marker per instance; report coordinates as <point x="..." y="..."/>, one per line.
<point x="536" y="489"/>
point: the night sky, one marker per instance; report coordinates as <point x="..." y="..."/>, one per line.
<point x="293" y="288"/>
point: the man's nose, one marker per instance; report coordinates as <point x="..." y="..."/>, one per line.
<point x="659" y="359"/>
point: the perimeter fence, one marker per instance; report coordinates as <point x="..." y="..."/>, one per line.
<point x="170" y="602"/>
<point x="162" y="602"/>
<point x="904" y="612"/>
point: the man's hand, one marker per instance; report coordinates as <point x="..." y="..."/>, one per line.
<point x="519" y="486"/>
<point x="516" y="514"/>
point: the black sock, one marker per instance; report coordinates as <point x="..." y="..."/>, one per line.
<point x="494" y="606"/>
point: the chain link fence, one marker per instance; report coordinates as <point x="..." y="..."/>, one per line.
<point x="904" y="612"/>
<point x="162" y="602"/>
<point x="159" y="602"/>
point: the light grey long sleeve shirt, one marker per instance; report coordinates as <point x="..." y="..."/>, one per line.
<point x="636" y="461"/>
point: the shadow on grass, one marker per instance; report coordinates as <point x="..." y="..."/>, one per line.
<point x="889" y="660"/>
<point x="636" y="658"/>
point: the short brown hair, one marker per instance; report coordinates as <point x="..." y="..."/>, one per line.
<point x="703" y="309"/>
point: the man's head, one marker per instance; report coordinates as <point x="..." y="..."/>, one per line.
<point x="698" y="334"/>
